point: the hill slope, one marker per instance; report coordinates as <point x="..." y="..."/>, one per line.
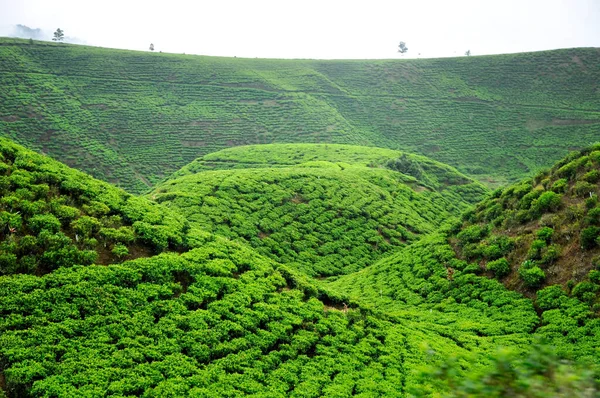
<point x="328" y="209"/>
<point x="52" y="216"/>
<point x="216" y="320"/>
<point x="133" y="118"/>
<point x="540" y="237"/>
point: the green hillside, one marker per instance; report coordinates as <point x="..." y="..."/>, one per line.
<point x="540" y="237"/>
<point x="327" y="209"/>
<point x="541" y="232"/>
<point x="207" y="318"/>
<point x="52" y="216"/>
<point x="133" y="118"/>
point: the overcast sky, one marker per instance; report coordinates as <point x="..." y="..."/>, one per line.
<point x="316" y="29"/>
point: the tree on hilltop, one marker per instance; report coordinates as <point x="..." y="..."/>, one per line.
<point x="402" y="47"/>
<point x="151" y="47"/>
<point x="59" y="35"/>
<point x="468" y="53"/>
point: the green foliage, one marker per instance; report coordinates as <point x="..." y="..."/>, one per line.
<point x="585" y="291"/>
<point x="472" y="234"/>
<point x="547" y="202"/>
<point x="545" y="234"/>
<point x="538" y="374"/>
<point x="41" y="222"/>
<point x="120" y="250"/>
<point x="497" y="116"/>
<point x="550" y="254"/>
<point x="594" y="276"/>
<point x="217" y="321"/>
<point x="532" y="275"/>
<point x="52" y="216"/>
<point x="499" y="267"/>
<point x="560" y="186"/>
<point x="535" y="251"/>
<point x="584" y="188"/>
<point x="588" y="237"/>
<point x="326" y="219"/>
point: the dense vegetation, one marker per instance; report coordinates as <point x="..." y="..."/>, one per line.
<point x="543" y="231"/>
<point x="133" y="118"/>
<point x="327" y="209"/>
<point x="52" y="216"/>
<point x="212" y="317"/>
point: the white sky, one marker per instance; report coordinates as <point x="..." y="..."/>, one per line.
<point x="316" y="29"/>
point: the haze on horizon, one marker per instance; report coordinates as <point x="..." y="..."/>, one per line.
<point x="315" y="29"/>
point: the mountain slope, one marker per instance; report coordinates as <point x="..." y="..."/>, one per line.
<point x="543" y="231"/>
<point x="52" y="216"/>
<point x="133" y="118"/>
<point x="540" y="238"/>
<point x="216" y="320"/>
<point x="328" y="209"/>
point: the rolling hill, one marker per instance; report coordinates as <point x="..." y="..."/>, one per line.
<point x="189" y="313"/>
<point x="327" y="209"/>
<point x="133" y="118"/>
<point x="540" y="238"/>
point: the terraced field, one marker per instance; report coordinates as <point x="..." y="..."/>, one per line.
<point x="134" y="118"/>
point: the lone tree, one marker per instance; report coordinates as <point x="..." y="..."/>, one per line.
<point x="468" y="53"/>
<point x="151" y="47"/>
<point x="59" y="35"/>
<point x="402" y="47"/>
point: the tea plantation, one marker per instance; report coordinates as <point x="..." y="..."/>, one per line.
<point x="327" y="209"/>
<point x="307" y="228"/>
<point x="133" y="118"/>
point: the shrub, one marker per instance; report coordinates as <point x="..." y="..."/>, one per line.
<point x="545" y="234"/>
<point x="40" y="222"/>
<point x="535" y="251"/>
<point x="531" y="274"/>
<point x="153" y="235"/>
<point x="66" y="213"/>
<point x="547" y="202"/>
<point x="588" y="236"/>
<point x="86" y="225"/>
<point x="549" y="297"/>
<point x="122" y="235"/>
<point x="8" y="263"/>
<point x="120" y="250"/>
<point x="591" y="176"/>
<point x="550" y="254"/>
<point x="96" y="209"/>
<point x="593" y="216"/>
<point x="585" y="291"/>
<point x="594" y="276"/>
<point x="560" y="186"/>
<point x="499" y="267"/>
<point x="472" y="234"/>
<point x="583" y="188"/>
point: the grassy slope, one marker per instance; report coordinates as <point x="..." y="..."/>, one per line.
<point x="550" y="222"/>
<point x="52" y="216"/>
<point x="134" y="118"/>
<point x="329" y="209"/>
<point x="216" y="320"/>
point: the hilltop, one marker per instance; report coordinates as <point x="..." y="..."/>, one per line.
<point x="133" y="118"/>
<point x="327" y="209"/>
